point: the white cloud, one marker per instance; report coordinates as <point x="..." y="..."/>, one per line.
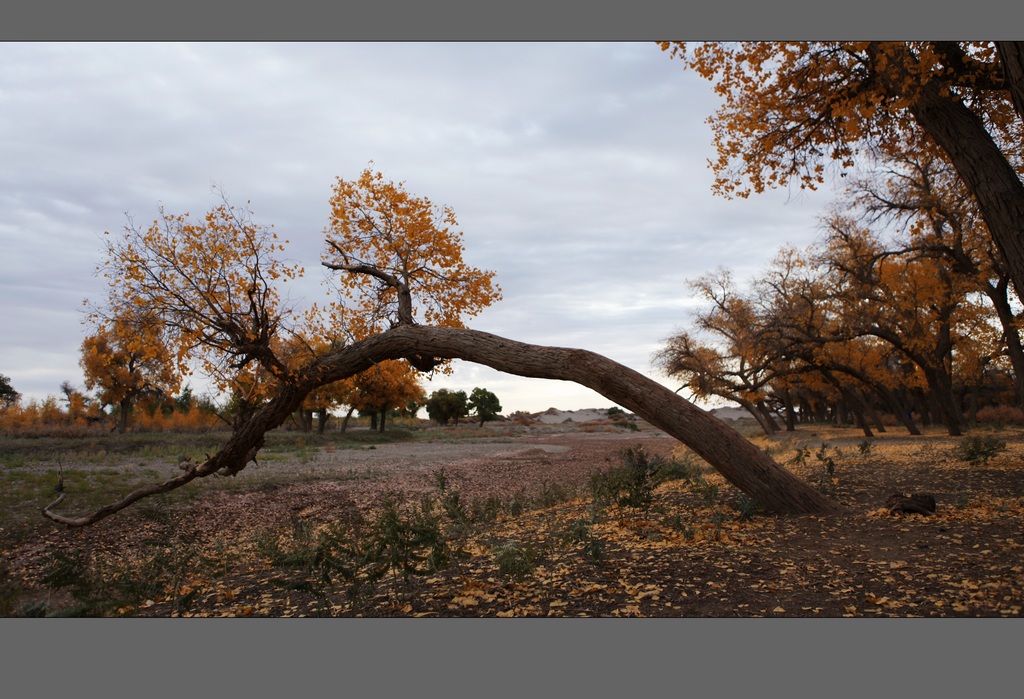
<point x="577" y="171"/>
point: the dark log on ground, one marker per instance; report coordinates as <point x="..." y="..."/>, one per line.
<point x="917" y="503"/>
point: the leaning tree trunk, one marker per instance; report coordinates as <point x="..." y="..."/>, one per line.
<point x="763" y="409"/>
<point x="348" y="416"/>
<point x="899" y="410"/>
<point x="740" y="462"/>
<point x="1011" y="55"/>
<point x="982" y="167"/>
<point x="997" y="293"/>
<point x="757" y="415"/>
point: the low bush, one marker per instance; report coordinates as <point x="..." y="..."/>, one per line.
<point x="514" y="560"/>
<point x="632" y="484"/>
<point x="978" y="448"/>
<point x="1000" y="415"/>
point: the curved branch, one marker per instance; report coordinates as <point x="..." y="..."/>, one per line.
<point x="124" y="502"/>
<point x="739" y="461"/>
<point x="401" y="287"/>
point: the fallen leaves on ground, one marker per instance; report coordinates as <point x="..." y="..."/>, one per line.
<point x="684" y="555"/>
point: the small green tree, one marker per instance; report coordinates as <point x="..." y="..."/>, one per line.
<point x="485" y="404"/>
<point x="444" y="405"/>
<point x="8" y="396"/>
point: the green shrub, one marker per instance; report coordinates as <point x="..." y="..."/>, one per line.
<point x="488" y="509"/>
<point x="315" y="558"/>
<point x="408" y="542"/>
<point x="579" y="532"/>
<point x="708" y="491"/>
<point x="979" y="448"/>
<point x="800" y="458"/>
<point x="633" y="483"/>
<point x="827" y="470"/>
<point x="102" y="585"/>
<point x="515" y="561"/>
<point x="552" y="494"/>
<point x="451" y="502"/>
<point x="593" y="550"/>
<point x="746" y="507"/>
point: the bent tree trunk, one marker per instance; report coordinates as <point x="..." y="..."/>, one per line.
<point x="739" y="461"/>
<point x="757" y="414"/>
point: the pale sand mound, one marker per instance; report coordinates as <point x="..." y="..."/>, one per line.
<point x="553" y="416"/>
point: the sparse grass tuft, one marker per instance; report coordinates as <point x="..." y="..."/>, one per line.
<point x="515" y="561"/>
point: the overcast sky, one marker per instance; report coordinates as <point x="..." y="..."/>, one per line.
<point x="578" y="173"/>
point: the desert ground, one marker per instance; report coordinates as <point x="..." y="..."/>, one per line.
<point x="516" y="520"/>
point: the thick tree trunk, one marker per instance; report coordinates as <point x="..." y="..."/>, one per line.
<point x="941" y="390"/>
<point x="869" y="412"/>
<point x="997" y="293"/>
<point x="858" y="407"/>
<point x="842" y="417"/>
<point x="923" y="408"/>
<point x="790" y="411"/>
<point x="740" y="462"/>
<point x="125" y="409"/>
<point x="1011" y="55"/>
<point x="983" y="168"/>
<point x="901" y="411"/>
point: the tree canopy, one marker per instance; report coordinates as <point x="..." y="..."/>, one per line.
<point x="404" y="258"/>
<point x="444" y="406"/>
<point x="793" y="111"/>
<point x="127" y="358"/>
<point x="8" y="396"/>
<point x="901" y="307"/>
<point x="485" y="404"/>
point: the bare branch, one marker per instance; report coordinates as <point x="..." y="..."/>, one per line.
<point x="121" y="504"/>
<point x="401" y="287"/>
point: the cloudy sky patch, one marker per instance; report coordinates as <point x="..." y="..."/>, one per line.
<point x="578" y="173"/>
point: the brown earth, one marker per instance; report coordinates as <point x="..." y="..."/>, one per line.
<point x="696" y="550"/>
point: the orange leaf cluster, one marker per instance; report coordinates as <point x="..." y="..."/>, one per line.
<point x="375" y="224"/>
<point x="213" y="284"/>
<point x="792" y="108"/>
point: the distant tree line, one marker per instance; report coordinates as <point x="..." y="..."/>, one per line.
<point x="903" y="307"/>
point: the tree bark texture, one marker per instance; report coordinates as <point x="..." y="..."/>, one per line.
<point x="1011" y="55"/>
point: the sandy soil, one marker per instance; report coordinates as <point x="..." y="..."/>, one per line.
<point x="477" y="468"/>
